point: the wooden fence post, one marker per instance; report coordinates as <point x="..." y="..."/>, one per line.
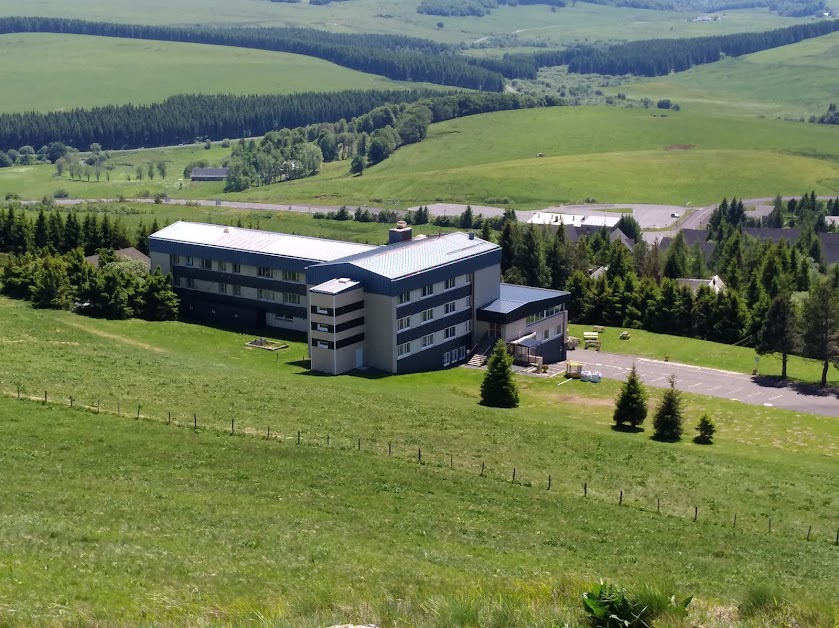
<point x="482" y="469"/>
<point x="269" y="433"/>
<point x="620" y="500"/>
<point x="770" y="525"/>
<point x="138" y="412"/>
<point x="18" y="392"/>
<point x="118" y="409"/>
<point x="549" y="482"/>
<point x="97" y="407"/>
<point x="514" y="475"/>
<point x="735" y="519"/>
<point x="327" y="440"/>
<point x="695" y="512"/>
<point x="585" y="489"/>
<point x="194" y="421"/>
<point x="658" y="504"/>
<point x="451" y="461"/>
<point x="359" y="444"/>
<point x="169" y="418"/>
<point x="45" y="397"/>
<point x="232" y="428"/>
<point x="71" y="401"/>
<point x="298" y="438"/>
<point x="419" y="455"/>
<point x="389" y="449"/>
<point x="810" y="529"/>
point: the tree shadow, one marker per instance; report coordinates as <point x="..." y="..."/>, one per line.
<point x="702" y="440"/>
<point x="662" y="439"/>
<point x="802" y="388"/>
<point x="627" y="429"/>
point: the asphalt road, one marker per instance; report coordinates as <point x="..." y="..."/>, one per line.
<point x="757" y="391"/>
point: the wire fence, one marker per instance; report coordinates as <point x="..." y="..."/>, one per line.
<point x="427" y="456"/>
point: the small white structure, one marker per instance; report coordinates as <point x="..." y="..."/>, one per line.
<point x="715" y="283"/>
<point x="574" y="220"/>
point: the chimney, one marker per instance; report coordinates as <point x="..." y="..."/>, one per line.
<point x="401" y="233"/>
<point x="471" y="236"/>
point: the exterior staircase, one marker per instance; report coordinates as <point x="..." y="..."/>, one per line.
<point x="480" y="354"/>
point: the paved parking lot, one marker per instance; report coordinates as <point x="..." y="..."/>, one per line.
<point x="715" y="383"/>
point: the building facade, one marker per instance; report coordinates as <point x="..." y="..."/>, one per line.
<point x="416" y="304"/>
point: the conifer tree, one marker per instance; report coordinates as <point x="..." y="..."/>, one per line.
<point x="706" y="429"/>
<point x="498" y="389"/>
<point x="160" y="303"/>
<point x="667" y="422"/>
<point x="52" y="287"/>
<point x="631" y="404"/>
<point x="821" y="326"/>
<point x="780" y="330"/>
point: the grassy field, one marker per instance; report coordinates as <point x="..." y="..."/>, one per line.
<point x="609" y="154"/>
<point x="701" y="353"/>
<point x="572" y="23"/>
<point x="136" y="519"/>
<point x="796" y="80"/>
<point x="48" y="72"/>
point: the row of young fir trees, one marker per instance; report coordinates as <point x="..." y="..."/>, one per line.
<point x="631" y="411"/>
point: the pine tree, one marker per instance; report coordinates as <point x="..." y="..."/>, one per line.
<point x="498" y="389"/>
<point x="706" y="429"/>
<point x="667" y="423"/>
<point x="486" y="231"/>
<point x="631" y="404"/>
<point x="467" y="218"/>
<point x="820" y="319"/>
<point x="52" y="287"/>
<point x="780" y="330"/>
<point x="41" y="234"/>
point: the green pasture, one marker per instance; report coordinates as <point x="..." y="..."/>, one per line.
<point x="50" y="72"/>
<point x="796" y="80"/>
<point x="134" y="520"/>
<point x="701" y="353"/>
<point x="609" y="154"/>
<point x="531" y="23"/>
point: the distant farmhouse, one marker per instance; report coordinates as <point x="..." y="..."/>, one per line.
<point x="715" y="284"/>
<point x="209" y="174"/>
<point x="415" y="304"/>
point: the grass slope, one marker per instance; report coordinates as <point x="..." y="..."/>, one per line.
<point x="48" y="72"/>
<point x="571" y="23"/>
<point x="132" y="519"/>
<point x="610" y="154"/>
<point x="796" y="80"/>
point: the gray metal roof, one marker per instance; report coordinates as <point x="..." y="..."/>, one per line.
<point x="420" y="254"/>
<point x="512" y="297"/>
<point x="257" y="241"/>
<point x="336" y="286"/>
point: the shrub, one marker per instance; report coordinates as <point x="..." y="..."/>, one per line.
<point x="208" y="144"/>
<point x="225" y="143"/>
<point x="61" y="193"/>
<point x="608" y="606"/>
<point x="758" y="599"/>
<point x="706" y="429"/>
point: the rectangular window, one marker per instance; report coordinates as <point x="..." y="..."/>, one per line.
<point x="322" y="310"/>
<point x="237" y="290"/>
<point x="207" y="264"/>
<point x="449" y="284"/>
<point x="322" y="327"/>
<point x="427" y="341"/>
<point x="463" y="353"/>
<point x="264" y="271"/>
<point x="323" y="345"/>
<point x="468" y="301"/>
<point x="405" y="297"/>
<point x="264" y="295"/>
<point x="284" y="318"/>
<point x="222" y="266"/>
<point x="188" y="260"/>
<point x="403" y="323"/>
<point x="190" y="282"/>
<point x="446" y="359"/>
<point x="468" y="278"/>
<point x="174" y="260"/>
<point x="468" y="326"/>
<point x="427" y="315"/>
<point x="403" y="349"/>
<point x="428" y="290"/>
<point x="547" y="334"/>
<point x="291" y="276"/>
<point x="292" y="299"/>
<point x="449" y="332"/>
<point x="559" y="330"/>
<point x="222" y="288"/>
<point x="451" y="307"/>
<point x="237" y="268"/>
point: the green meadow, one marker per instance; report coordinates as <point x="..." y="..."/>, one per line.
<point x="50" y="72"/>
<point x="796" y="80"/>
<point x="610" y="154"/>
<point x="579" y="22"/>
<point x="136" y="520"/>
